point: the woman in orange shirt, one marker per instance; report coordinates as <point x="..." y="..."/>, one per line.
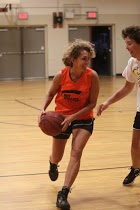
<point x="76" y="89"/>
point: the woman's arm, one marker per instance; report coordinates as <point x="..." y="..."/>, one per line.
<point x="124" y="91"/>
<point x="52" y="91"/>
<point x="94" y="92"/>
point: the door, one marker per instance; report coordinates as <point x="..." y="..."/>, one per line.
<point x="22" y="53"/>
<point x="79" y="32"/>
<point x="33" y="52"/>
<point x="10" y="53"/>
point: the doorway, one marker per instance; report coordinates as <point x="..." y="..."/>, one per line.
<point x="101" y="36"/>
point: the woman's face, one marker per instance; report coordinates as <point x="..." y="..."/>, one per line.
<point x="133" y="47"/>
<point x="82" y="61"/>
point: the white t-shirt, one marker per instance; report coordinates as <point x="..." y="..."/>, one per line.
<point x="132" y="74"/>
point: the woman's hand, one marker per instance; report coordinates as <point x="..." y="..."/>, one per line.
<point x="67" y="121"/>
<point x="39" y="117"/>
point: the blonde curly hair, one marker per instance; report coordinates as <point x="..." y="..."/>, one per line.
<point x="74" y="49"/>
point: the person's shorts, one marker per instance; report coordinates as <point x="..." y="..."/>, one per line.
<point x="136" y="124"/>
<point x="84" y="124"/>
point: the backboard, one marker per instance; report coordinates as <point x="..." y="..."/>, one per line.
<point x="72" y="10"/>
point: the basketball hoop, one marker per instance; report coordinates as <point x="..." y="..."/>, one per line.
<point x="4" y="9"/>
<point x="8" y="4"/>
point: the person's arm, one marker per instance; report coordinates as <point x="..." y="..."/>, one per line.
<point x="51" y="93"/>
<point x="94" y="92"/>
<point x="124" y="91"/>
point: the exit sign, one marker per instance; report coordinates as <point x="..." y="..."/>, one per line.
<point x="92" y="15"/>
<point x="23" y="16"/>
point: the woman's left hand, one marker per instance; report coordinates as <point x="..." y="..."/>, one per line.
<point x="68" y="119"/>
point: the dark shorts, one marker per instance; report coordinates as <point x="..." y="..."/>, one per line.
<point x="136" y="124"/>
<point x="84" y="124"/>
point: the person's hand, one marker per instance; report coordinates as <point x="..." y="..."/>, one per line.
<point x="102" y="107"/>
<point x="68" y="119"/>
<point x="39" y="117"/>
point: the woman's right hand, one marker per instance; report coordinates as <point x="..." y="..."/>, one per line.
<point x="39" y="117"/>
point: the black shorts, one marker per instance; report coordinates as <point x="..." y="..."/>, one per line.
<point x="84" y="124"/>
<point x="136" y="124"/>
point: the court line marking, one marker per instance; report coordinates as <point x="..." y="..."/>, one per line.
<point x="62" y="172"/>
<point x="27" y="105"/>
<point x="18" y="124"/>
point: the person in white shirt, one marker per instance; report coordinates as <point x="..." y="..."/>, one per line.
<point x="131" y="73"/>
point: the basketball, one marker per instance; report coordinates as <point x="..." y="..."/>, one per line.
<point x="50" y="123"/>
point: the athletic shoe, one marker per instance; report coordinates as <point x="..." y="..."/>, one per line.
<point x="62" y="199"/>
<point x="129" y="179"/>
<point x="53" y="171"/>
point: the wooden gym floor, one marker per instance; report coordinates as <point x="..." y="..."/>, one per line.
<point x="25" y="150"/>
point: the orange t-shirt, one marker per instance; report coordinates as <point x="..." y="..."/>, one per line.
<point x="73" y="96"/>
